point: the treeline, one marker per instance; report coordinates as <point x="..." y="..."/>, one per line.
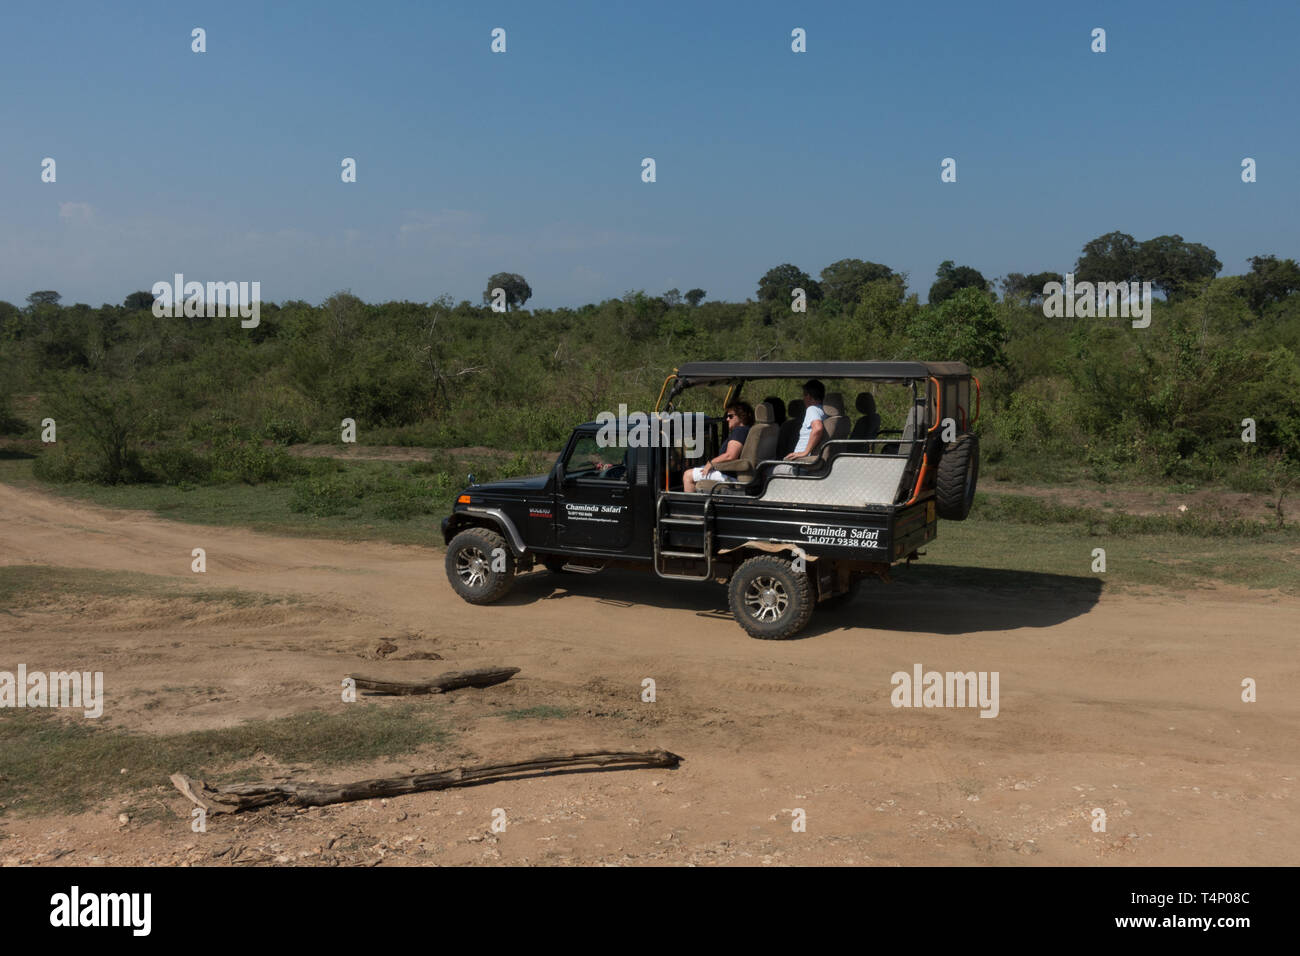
<point x="177" y="400"/>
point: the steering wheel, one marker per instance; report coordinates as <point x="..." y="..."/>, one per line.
<point x="614" y="471"/>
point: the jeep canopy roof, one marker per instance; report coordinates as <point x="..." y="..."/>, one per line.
<point x="699" y="373"/>
<point x="706" y="373"/>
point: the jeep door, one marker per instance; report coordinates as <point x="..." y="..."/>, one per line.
<point x="593" y="502"/>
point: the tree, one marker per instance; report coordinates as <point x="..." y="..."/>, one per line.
<point x="845" y="279"/>
<point x="1108" y="258"/>
<point x="139" y="300"/>
<point x="950" y="278"/>
<point x="110" y="414"/>
<point x="1270" y="280"/>
<point x="516" y="289"/>
<point x="695" y="297"/>
<point x="1172" y="265"/>
<point x="672" y="298"/>
<point x="1028" y="288"/>
<point x="779" y="283"/>
<point x="48" y="297"/>
<point x="964" y="328"/>
<point x="883" y="306"/>
<point x="11" y="326"/>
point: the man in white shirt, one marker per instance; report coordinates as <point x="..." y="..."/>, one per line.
<point x="813" y="432"/>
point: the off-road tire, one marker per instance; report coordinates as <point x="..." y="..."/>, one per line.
<point x="769" y="599"/>
<point x="954" y="485"/>
<point x="469" y="566"/>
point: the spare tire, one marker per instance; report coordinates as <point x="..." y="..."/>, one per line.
<point x="954" y="486"/>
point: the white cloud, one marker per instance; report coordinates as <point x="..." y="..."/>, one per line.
<point x="451" y="220"/>
<point x="76" y="211"/>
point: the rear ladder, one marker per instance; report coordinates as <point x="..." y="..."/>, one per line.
<point x="666" y="557"/>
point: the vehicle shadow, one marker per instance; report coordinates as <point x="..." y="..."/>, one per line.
<point x="620" y="588"/>
<point x="936" y="599"/>
<point x="953" y="599"/>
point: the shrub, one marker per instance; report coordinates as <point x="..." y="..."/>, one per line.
<point x="60" y="464"/>
<point x="250" y="462"/>
<point x="177" y="465"/>
<point x="282" y="431"/>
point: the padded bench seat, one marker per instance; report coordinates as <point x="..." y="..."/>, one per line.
<point x="852" y="481"/>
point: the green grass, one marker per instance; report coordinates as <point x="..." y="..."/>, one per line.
<point x="52" y="765"/>
<point x="989" y="546"/>
<point x="1026" y="509"/>
<point x="37" y="585"/>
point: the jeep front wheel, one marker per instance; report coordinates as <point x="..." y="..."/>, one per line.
<point x="480" y="567"/>
<point x="769" y="599"/>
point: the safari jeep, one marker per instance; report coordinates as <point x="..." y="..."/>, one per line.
<point x="785" y="537"/>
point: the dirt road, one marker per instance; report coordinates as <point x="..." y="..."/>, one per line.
<point x="1124" y="703"/>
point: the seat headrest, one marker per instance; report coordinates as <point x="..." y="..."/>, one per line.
<point x="794" y="409"/>
<point x="763" y="414"/>
<point x="865" y="403"/>
<point x="834" y="404"/>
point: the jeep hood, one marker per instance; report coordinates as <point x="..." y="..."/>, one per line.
<point x="511" y="486"/>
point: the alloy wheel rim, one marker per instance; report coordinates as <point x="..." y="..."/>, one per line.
<point x="766" y="598"/>
<point x="472" y="567"/>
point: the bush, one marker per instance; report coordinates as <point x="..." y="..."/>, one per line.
<point x="282" y="431"/>
<point x="10" y="424"/>
<point x="108" y="417"/>
<point x="59" y="464"/>
<point x="965" y="328"/>
<point x="177" y="465"/>
<point x="250" y="462"/>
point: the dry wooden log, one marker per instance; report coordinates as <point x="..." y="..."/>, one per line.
<point x="451" y="680"/>
<point x="247" y="796"/>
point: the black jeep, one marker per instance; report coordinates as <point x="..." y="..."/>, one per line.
<point x="784" y="535"/>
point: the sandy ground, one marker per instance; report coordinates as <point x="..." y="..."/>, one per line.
<point x="1123" y="702"/>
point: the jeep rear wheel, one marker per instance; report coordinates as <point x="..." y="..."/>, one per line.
<point x="479" y="566"/>
<point x="954" y="485"/>
<point x="769" y="599"/>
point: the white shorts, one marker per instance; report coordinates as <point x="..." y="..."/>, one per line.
<point x="714" y="475"/>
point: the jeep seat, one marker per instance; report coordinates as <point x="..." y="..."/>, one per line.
<point x="789" y="434"/>
<point x="836" y="424"/>
<point x="868" y="426"/>
<point x="760" y="444"/>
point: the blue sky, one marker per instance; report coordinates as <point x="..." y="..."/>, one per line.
<point x="226" y="165"/>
